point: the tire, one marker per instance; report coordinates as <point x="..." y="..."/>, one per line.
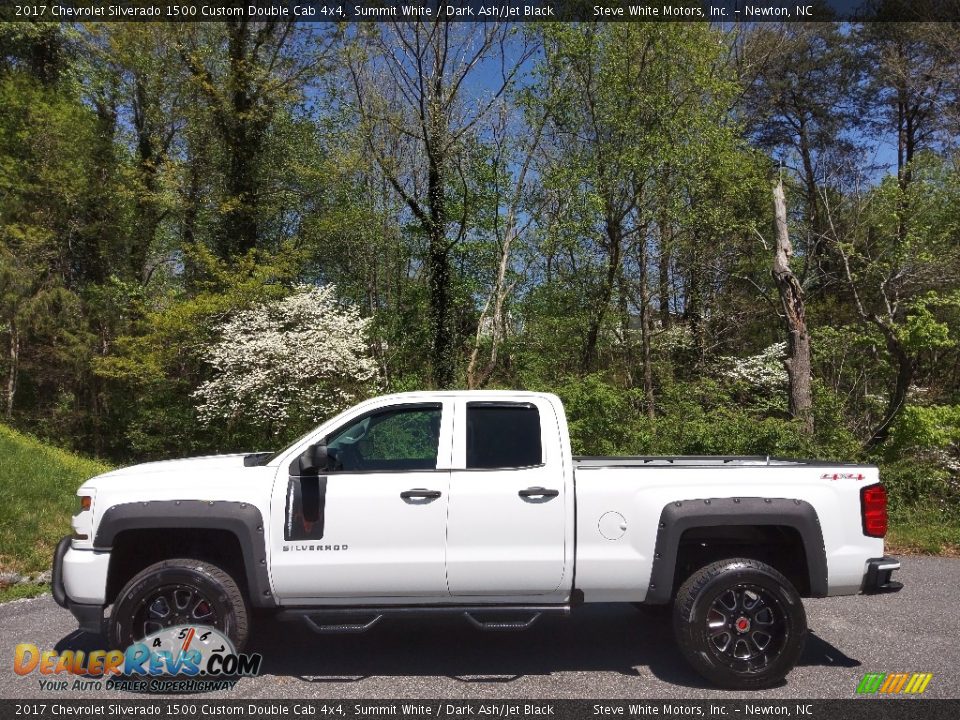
<point x="209" y="596"/>
<point x="740" y="624"/>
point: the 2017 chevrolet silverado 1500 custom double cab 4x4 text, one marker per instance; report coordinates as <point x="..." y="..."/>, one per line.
<point x="471" y="502"/>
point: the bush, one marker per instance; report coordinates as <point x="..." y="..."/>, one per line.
<point x="692" y="418"/>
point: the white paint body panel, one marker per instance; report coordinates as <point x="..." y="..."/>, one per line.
<point x="497" y="542"/>
<point x="85" y="575"/>
<point x="393" y="548"/>
<point x="478" y="542"/>
<point x="618" y="571"/>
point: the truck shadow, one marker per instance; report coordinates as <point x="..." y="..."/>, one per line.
<point x="596" y="638"/>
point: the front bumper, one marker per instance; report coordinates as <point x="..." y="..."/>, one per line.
<point x="88" y="615"/>
<point x="877" y="578"/>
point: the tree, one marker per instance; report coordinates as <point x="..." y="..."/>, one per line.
<point x="797" y="362"/>
<point x="802" y="102"/>
<point x="411" y="82"/>
<point x="912" y="78"/>
<point x="246" y="72"/>
<point x="900" y="283"/>
<point x="287" y="364"/>
<point x="513" y="208"/>
<point x="635" y="145"/>
<point x="142" y="62"/>
<point x="45" y="194"/>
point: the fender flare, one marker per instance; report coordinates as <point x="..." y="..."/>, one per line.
<point x="679" y="516"/>
<point x="241" y="519"/>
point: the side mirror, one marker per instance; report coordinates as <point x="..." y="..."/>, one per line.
<point x="312" y="461"/>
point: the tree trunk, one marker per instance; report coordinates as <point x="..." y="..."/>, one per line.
<point x="663" y="269"/>
<point x="694" y="310"/>
<point x="14" y="365"/>
<point x="906" y="367"/>
<point x="191" y="216"/>
<point x="243" y="135"/>
<point x="615" y="240"/>
<point x="148" y="167"/>
<point x="442" y="360"/>
<point x="477" y="377"/>
<point x="645" y="330"/>
<point x="794" y="318"/>
<point x="814" y="225"/>
<point x="623" y="309"/>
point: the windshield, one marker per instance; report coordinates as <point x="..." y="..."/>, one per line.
<point x="269" y="457"/>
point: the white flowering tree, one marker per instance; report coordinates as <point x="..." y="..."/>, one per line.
<point x="764" y="371"/>
<point x="287" y="362"/>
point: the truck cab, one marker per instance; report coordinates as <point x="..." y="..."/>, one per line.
<point x="441" y="496"/>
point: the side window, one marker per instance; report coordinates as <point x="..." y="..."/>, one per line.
<point x="400" y="438"/>
<point x="503" y="436"/>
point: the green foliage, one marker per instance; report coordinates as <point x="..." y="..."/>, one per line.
<point x="38" y="486"/>
<point x="922" y="329"/>
<point x="915" y="486"/>
<point x="696" y="418"/>
<point x="602" y="419"/>
<point x="927" y="428"/>
<point x="154" y="370"/>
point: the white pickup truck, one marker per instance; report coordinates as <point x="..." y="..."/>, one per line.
<point x="471" y="503"/>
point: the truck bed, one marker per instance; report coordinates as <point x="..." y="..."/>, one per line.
<point x="711" y="461"/>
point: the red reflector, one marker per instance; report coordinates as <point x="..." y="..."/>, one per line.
<point x="873" y="510"/>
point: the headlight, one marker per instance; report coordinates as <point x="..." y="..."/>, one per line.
<point x="82" y="522"/>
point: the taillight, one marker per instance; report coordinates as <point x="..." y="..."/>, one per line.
<point x="85" y="502"/>
<point x="873" y="510"/>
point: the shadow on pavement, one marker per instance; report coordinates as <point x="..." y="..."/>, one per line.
<point x="598" y="638"/>
<point x="80" y="640"/>
<point x="604" y="638"/>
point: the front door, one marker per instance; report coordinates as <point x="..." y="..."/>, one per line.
<point x="505" y="535"/>
<point x="373" y="522"/>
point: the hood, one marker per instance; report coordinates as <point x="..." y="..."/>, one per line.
<point x="214" y="477"/>
<point x="185" y="466"/>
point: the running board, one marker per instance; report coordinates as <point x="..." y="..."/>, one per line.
<point x="494" y="626"/>
<point x="489" y="618"/>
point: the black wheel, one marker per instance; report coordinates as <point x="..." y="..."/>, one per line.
<point x="740" y="624"/>
<point x="179" y="592"/>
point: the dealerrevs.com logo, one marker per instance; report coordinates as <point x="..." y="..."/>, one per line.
<point x="181" y="658"/>
<point x="894" y="683"/>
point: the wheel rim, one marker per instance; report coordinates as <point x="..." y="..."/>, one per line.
<point x="170" y="605"/>
<point x="746" y="628"/>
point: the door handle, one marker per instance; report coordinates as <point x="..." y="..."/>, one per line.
<point x="420" y="494"/>
<point x="538" y="492"/>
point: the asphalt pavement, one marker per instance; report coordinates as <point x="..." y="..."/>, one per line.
<point x="600" y="651"/>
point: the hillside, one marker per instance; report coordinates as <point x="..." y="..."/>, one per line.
<point x="37" y="497"/>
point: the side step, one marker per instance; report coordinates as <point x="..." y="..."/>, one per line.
<point x="489" y="618"/>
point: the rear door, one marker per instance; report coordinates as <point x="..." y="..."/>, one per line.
<point x="507" y="511"/>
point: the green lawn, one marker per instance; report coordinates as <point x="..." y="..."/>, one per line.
<point x="923" y="532"/>
<point x="38" y="485"/>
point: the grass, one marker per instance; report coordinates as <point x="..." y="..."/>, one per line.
<point x="25" y="590"/>
<point x="923" y="532"/>
<point x="38" y="485"/>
